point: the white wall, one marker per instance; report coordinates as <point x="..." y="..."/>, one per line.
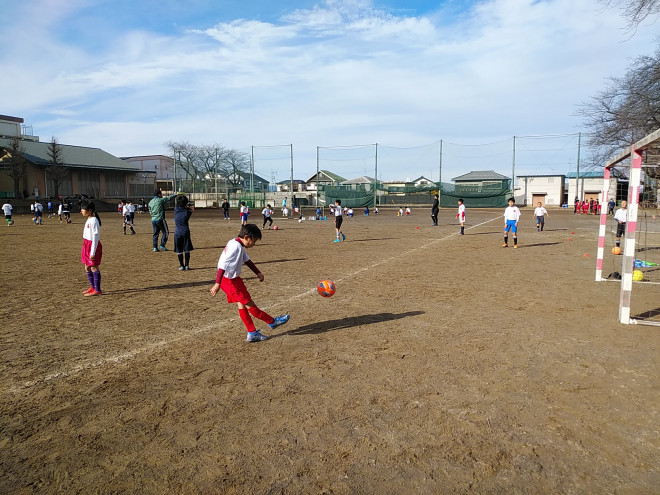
<point x="590" y="185"/>
<point x="551" y="186"/>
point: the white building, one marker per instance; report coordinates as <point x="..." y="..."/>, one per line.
<point x="589" y="186"/>
<point x="548" y="189"/>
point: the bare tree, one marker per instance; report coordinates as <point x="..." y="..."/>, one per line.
<point x="234" y="165"/>
<point x="626" y="110"/>
<point x="634" y="11"/>
<point x="57" y="172"/>
<point x="17" y="164"/>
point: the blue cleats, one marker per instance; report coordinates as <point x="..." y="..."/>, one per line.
<point x="279" y="320"/>
<point x="256" y="336"/>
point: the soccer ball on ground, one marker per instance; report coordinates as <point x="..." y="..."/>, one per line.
<point x="326" y="288"/>
<point x="275" y="227"/>
<point x="616" y="250"/>
<point x="638" y="275"/>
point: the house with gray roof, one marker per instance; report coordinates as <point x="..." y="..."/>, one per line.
<point x="324" y="178"/>
<point x="480" y="181"/>
<point x="86" y="171"/>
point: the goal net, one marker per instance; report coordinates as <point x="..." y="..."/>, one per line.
<point x="640" y="260"/>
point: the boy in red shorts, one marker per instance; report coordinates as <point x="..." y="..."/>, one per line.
<point x="229" y="280"/>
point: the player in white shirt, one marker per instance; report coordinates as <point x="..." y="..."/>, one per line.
<point x="461" y="215"/>
<point x="92" y="250"/>
<point x="539" y="214"/>
<point x="244" y="213"/>
<point x="338" y="221"/>
<point x="126" y="214"/>
<point x="511" y="217"/>
<point x="621" y="216"/>
<point x="267" y="213"/>
<point x="228" y="279"/>
<point x="7" y="208"/>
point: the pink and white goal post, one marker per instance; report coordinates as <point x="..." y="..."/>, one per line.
<point x="628" y="261"/>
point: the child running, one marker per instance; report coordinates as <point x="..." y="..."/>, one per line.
<point x="229" y="280"/>
<point x="267" y="213"/>
<point x="511" y="217"/>
<point x="461" y="215"/>
<point x="92" y="250"/>
<point x="126" y="213"/>
<point x="338" y="220"/>
<point x="7" y="208"/>
<point x="539" y="214"/>
<point x="182" y="242"/>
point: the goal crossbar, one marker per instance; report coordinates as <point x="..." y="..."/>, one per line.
<point x="634" y="153"/>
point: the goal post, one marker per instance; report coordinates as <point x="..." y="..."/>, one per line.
<point x="634" y="155"/>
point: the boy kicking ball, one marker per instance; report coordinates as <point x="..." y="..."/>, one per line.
<point x="229" y="280"/>
<point x="511" y="217"/>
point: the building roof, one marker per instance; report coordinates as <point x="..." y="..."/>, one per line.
<point x="480" y="175"/>
<point x="329" y="175"/>
<point x="587" y="175"/>
<point x="421" y="178"/>
<point x="541" y="175"/>
<point x="72" y="156"/>
<point x="288" y="181"/>
<point x="359" y="180"/>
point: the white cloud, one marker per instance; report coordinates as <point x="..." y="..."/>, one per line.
<point x="342" y="72"/>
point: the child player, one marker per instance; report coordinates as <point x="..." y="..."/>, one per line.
<point x="229" y="280"/>
<point x="92" y="250"/>
<point x="182" y="242"/>
<point x="126" y="213"/>
<point x="511" y="217"/>
<point x="539" y="214"/>
<point x="620" y="216"/>
<point x="338" y="220"/>
<point x="461" y="215"/>
<point x="267" y="213"/>
<point x="244" y="213"/>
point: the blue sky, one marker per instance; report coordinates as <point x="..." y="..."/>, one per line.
<point x="128" y="76"/>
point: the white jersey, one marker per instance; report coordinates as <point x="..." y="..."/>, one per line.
<point x="7" y="209"/>
<point x="59" y="209"/>
<point x="621" y="215"/>
<point x="92" y="232"/>
<point x="131" y="208"/>
<point x="125" y="210"/>
<point x="461" y="213"/>
<point x="244" y="210"/>
<point x="232" y="258"/>
<point x="512" y="213"/>
<point x="539" y="211"/>
<point x="338" y="211"/>
<point x="266" y="212"/>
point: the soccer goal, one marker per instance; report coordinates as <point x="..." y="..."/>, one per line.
<point x="631" y="158"/>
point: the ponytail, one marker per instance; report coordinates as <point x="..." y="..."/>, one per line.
<point x="86" y="204"/>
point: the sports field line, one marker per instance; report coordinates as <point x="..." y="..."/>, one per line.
<point x="127" y="356"/>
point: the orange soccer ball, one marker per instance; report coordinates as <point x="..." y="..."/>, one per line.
<point x="616" y="250"/>
<point x="326" y="288"/>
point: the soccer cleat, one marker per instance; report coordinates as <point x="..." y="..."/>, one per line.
<point x="336" y="240"/>
<point x="279" y="320"/>
<point x="163" y="248"/>
<point x="256" y="336"/>
<point x="89" y="289"/>
<point x="181" y="268"/>
<point x="515" y="246"/>
<point x="505" y="245"/>
<point x="94" y="292"/>
<point x="155" y="250"/>
<point x="187" y="268"/>
<point x="343" y="237"/>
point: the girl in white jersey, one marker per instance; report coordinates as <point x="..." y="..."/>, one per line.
<point x="92" y="250"/>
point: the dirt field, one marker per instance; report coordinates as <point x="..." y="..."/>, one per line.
<point x="444" y="364"/>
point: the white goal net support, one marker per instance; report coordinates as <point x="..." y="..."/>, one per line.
<point x="634" y="154"/>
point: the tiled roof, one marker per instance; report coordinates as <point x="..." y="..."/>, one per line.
<point x="480" y="175"/>
<point x="72" y="156"/>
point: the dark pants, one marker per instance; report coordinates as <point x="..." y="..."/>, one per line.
<point x="160" y="226"/>
<point x="434" y="217"/>
<point x="267" y="219"/>
<point x="225" y="213"/>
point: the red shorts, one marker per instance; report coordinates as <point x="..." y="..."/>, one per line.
<point x="235" y="290"/>
<point x="84" y="254"/>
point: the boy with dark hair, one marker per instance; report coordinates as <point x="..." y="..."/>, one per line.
<point x="338" y="221"/>
<point x="621" y="216"/>
<point x="511" y="217"/>
<point x="229" y="280"/>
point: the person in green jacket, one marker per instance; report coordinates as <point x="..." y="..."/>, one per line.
<point x="157" y="211"/>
